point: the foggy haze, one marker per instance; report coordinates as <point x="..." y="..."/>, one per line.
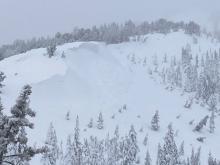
<point x="25" y="19"/>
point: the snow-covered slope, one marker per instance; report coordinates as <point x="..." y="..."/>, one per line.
<point x="94" y="77"/>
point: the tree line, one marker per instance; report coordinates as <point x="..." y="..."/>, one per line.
<point x="109" y="33"/>
<point x="116" y="150"/>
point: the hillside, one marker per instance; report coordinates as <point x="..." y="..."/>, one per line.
<point x="94" y="77"/>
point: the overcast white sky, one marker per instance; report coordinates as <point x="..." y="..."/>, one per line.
<point x="24" y="19"/>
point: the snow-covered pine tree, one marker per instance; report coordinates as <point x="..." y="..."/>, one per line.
<point x="124" y="107"/>
<point x="133" y="148"/>
<point x="201" y="124"/>
<point x="108" y="149"/>
<point x="197" y="61"/>
<point x="2" y="78"/>
<point x="67" y="115"/>
<point x="68" y="156"/>
<point x="145" y="140"/>
<point x="101" y="152"/>
<point x="116" y="133"/>
<point x="170" y="151"/>
<point x="90" y="124"/>
<point x="147" y="159"/>
<point x="212" y="122"/>
<point x="178" y="77"/>
<point x="160" y="157"/>
<point x="212" y="102"/>
<point x="155" y="63"/>
<point x="86" y="153"/>
<point x="13" y="147"/>
<point x="181" y="149"/>
<point x="155" y="122"/>
<point x="195" y="157"/>
<point x="77" y="146"/>
<point x="1" y="109"/>
<point x="163" y="75"/>
<point x="61" y="154"/>
<point x="100" y="122"/>
<point x="128" y="148"/>
<point x="191" y="76"/>
<point x="114" y="145"/>
<point x="50" y="157"/>
<point x="12" y="132"/>
<point x="202" y="87"/>
<point x="171" y="77"/>
<point x="189" y="70"/>
<point x="125" y="157"/>
<point x="96" y="151"/>
<point x="192" y="157"/>
<point x="202" y="62"/>
<point x="186" y="57"/>
<point x="187" y="161"/>
<point x="51" y="49"/>
<point x="112" y="149"/>
<point x="212" y="161"/>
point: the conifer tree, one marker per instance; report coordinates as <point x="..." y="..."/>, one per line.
<point x="212" y="103"/>
<point x="2" y="78"/>
<point x="202" y="62"/>
<point x="160" y="156"/>
<point x="12" y="132"/>
<point x="86" y="153"/>
<point x="90" y="124"/>
<point x="77" y="146"/>
<point x="115" y="145"/>
<point x="197" y="61"/>
<point x="145" y="140"/>
<point x="61" y="154"/>
<point x="116" y="133"/>
<point x="126" y="154"/>
<point x="147" y="159"/>
<point x="155" y="63"/>
<point x="68" y="115"/>
<point x="133" y="148"/>
<point x="170" y="152"/>
<point x="201" y="124"/>
<point x="195" y="157"/>
<point x="181" y="150"/>
<point x="212" y="161"/>
<point x="69" y="157"/>
<point x="1" y="109"/>
<point x="113" y="148"/>
<point x="51" y="49"/>
<point x="100" y="122"/>
<point x="212" y="122"/>
<point x="97" y="151"/>
<point x="50" y="157"/>
<point x="155" y="122"/>
<point x="178" y="77"/>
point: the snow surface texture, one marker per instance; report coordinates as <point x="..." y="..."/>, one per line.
<point x="94" y="77"/>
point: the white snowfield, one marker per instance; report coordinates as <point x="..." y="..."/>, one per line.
<point x="94" y="77"/>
